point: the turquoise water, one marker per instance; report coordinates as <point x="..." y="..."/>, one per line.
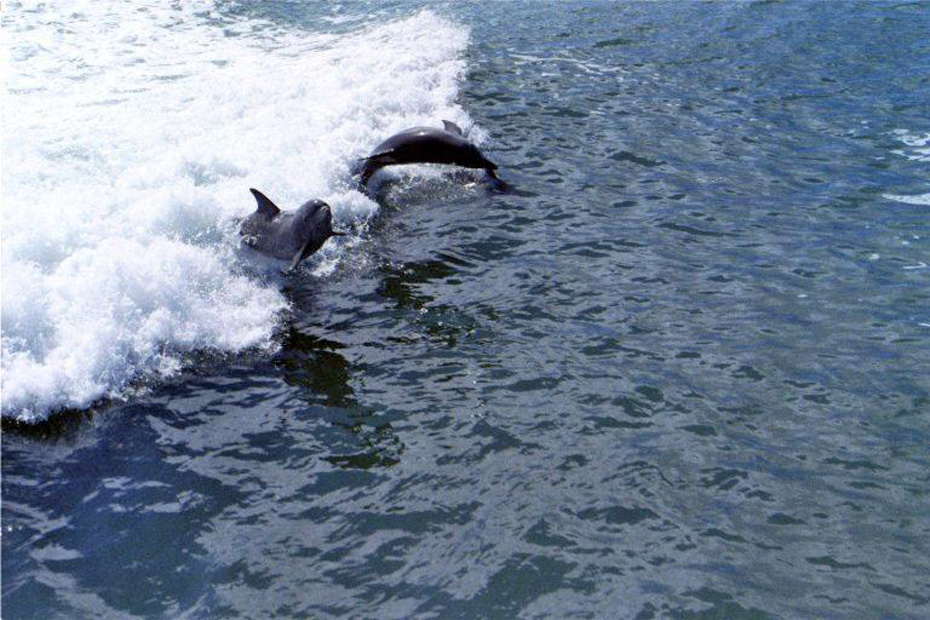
<point x="680" y="370"/>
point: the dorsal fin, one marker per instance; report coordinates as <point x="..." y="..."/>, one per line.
<point x="452" y="127"/>
<point x="265" y="206"/>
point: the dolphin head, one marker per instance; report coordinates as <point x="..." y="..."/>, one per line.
<point x="472" y="157"/>
<point x="312" y="226"/>
<point x="314" y="221"/>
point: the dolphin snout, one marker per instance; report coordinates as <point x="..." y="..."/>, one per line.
<point x="327" y="213"/>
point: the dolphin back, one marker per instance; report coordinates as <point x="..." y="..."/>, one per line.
<point x="423" y="145"/>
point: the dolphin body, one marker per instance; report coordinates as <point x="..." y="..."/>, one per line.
<point x="425" y="145"/>
<point x="288" y="236"/>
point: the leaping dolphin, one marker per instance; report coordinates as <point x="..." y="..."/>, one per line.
<point x="426" y="145"/>
<point x="288" y="236"/>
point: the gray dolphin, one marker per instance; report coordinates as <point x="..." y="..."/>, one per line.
<point x="425" y="145"/>
<point x="289" y="236"/>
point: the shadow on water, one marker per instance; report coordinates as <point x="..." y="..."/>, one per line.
<point x="399" y="283"/>
<point x="322" y="376"/>
<point x="62" y="425"/>
<point x="314" y="365"/>
<point x="444" y="324"/>
<point x="382" y="448"/>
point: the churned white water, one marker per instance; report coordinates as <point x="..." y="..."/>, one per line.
<point x="916" y="148"/>
<point x="132" y="133"/>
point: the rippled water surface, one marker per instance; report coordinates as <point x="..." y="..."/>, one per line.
<point x="679" y="370"/>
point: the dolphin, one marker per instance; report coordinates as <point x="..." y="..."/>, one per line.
<point x="289" y="236"/>
<point x="425" y="145"/>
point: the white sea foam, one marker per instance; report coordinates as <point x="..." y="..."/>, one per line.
<point x="917" y="148"/>
<point x="132" y="133"/>
<point x="911" y="199"/>
<point x="918" y="145"/>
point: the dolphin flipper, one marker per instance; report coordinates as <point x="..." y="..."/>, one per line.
<point x="452" y="127"/>
<point x="299" y="256"/>
<point x="294" y="263"/>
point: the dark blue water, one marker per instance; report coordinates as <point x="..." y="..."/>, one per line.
<point x="679" y="371"/>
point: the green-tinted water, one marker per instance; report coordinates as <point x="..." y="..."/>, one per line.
<point x="680" y="370"/>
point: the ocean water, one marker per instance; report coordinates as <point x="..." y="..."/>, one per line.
<point x="681" y="369"/>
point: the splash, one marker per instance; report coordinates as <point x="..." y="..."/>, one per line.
<point x="132" y="134"/>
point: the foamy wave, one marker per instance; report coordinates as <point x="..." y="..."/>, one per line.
<point x="917" y="148"/>
<point x="132" y="134"/>
<point x="913" y="199"/>
<point x="918" y="145"/>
